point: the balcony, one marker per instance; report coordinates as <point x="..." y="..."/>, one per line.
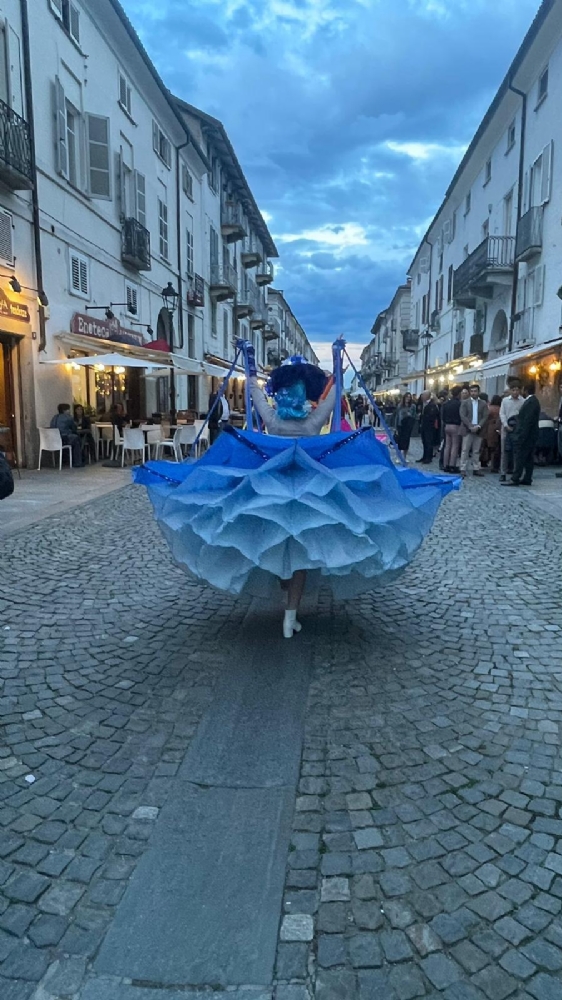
<point x="270" y="333"/>
<point x="233" y="227"/>
<point x="264" y="274"/>
<point x="15" y="150"/>
<point x="490" y="264"/>
<point x="251" y="253"/>
<point x="410" y="340"/>
<point x="259" y="315"/>
<point x="135" y="245"/>
<point x="245" y="302"/>
<point x="196" y="291"/>
<point x="223" y="283"/>
<point x="477" y="344"/>
<point x="529" y="234"/>
<point x="458" y="350"/>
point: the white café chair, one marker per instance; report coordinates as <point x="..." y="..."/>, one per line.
<point x="154" y="436"/>
<point x="132" y="441"/>
<point x="50" y="440"/>
<point x="188" y="433"/>
<point x="205" y="439"/>
<point x="117" y="441"/>
<point x="171" y="443"/>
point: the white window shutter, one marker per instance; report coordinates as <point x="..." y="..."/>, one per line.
<point x="526" y="191"/>
<point x="97" y="143"/>
<point x="6" y="239"/>
<point x="79" y="274"/>
<point x="539" y="285"/>
<point x="546" y="179"/>
<point x="132" y="299"/>
<point x="521" y="294"/>
<point x="60" y="130"/>
<point x="155" y="133"/>
<point x="56" y="7"/>
<point x="74" y="22"/>
<point x="140" y="197"/>
<point x="84" y="282"/>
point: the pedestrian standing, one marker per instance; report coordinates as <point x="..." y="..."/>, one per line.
<point x="490" y="453"/>
<point x="428" y="423"/>
<point x="405" y="420"/>
<point x="451" y="419"/>
<point x="473" y="413"/>
<point x="509" y="411"/>
<point x="525" y="437"/>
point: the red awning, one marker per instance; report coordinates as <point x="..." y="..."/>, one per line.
<point x="157" y="345"/>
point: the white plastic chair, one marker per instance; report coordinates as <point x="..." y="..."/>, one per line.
<point x="188" y="433"/>
<point x="50" y="440"/>
<point x="154" y="436"/>
<point x="117" y="441"/>
<point x="205" y="439"/>
<point x="172" y="443"/>
<point x="132" y="441"/>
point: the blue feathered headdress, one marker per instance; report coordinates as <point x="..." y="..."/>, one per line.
<point x="297" y="369"/>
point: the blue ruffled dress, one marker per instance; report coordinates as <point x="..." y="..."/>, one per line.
<point x="256" y="507"/>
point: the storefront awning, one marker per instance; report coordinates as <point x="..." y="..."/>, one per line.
<point x="79" y="342"/>
<point x="501" y="365"/>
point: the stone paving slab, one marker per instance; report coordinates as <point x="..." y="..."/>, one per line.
<point x="102" y="988"/>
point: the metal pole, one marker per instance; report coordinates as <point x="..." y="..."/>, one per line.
<point x="337" y="351"/>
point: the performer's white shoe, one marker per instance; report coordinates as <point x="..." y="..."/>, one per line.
<point x="290" y="624"/>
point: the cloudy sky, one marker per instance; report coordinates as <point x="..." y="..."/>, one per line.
<point x="349" y="118"/>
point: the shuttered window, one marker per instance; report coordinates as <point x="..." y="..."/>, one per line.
<point x="163" y="228"/>
<point x="132" y="297"/>
<point x="6" y="238"/>
<point x="140" y="197"/>
<point x="124" y="94"/>
<point x="162" y="146"/>
<point x="79" y="274"/>
<point x="189" y="254"/>
<point x="187" y="182"/>
<point x="99" y="174"/>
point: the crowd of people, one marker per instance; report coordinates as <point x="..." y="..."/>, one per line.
<point x="470" y="432"/>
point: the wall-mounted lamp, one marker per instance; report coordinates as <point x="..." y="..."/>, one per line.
<point x="109" y="314"/>
<point x="145" y="326"/>
<point x="17" y="287"/>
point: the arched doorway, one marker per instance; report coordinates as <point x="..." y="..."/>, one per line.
<point x="500" y="334"/>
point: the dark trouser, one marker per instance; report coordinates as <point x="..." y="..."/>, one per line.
<point x="524" y="460"/>
<point x="88" y="444"/>
<point x="76" y="445"/>
<point x="428" y="437"/>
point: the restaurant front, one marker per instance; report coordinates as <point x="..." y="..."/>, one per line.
<point x="16" y="389"/>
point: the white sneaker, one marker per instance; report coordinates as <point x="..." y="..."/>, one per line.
<point x="290" y="624"/>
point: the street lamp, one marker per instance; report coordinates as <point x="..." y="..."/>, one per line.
<point x="426" y="337"/>
<point x="170" y="298"/>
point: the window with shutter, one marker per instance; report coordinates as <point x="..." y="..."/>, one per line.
<point x="467" y="203"/>
<point x="124" y="94"/>
<point x="546" y="173"/>
<point x="162" y="146"/>
<point x="6" y="238"/>
<point x="74" y="22"/>
<point x="61" y="150"/>
<point x="538" y="296"/>
<point x="521" y="294"/>
<point x="99" y="173"/>
<point x="140" y="197"/>
<point x="163" y="228"/>
<point x="79" y="275"/>
<point x="190" y="269"/>
<point x="187" y="182"/>
<point x="56" y="7"/>
<point x="131" y="295"/>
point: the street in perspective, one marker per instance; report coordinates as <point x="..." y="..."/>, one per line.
<point x="280" y="501"/>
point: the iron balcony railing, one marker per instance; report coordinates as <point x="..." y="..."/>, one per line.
<point x="270" y="333"/>
<point x="251" y="252"/>
<point x="529" y="234"/>
<point x="232" y="221"/>
<point x="264" y="273"/>
<point x="15" y="150"/>
<point x="410" y="340"/>
<point x="196" y="291"/>
<point x="135" y="245"/>
<point x="224" y="276"/>
<point x="495" y="253"/>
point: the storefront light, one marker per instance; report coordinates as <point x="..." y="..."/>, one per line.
<point x="533" y="370"/>
<point x="119" y="371"/>
<point x="99" y="368"/>
<point x="555" y="366"/>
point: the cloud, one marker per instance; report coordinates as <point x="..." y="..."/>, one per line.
<point x="349" y="118"/>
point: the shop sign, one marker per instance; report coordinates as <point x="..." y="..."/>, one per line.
<point x="104" y="329"/>
<point x="13" y="310"/>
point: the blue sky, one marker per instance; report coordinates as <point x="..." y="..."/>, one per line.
<point x="349" y="118"/>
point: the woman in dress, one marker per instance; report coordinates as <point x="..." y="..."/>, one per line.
<point x="293" y="505"/>
<point x="405" y="420"/>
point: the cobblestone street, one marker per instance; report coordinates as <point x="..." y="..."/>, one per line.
<point x="425" y="856"/>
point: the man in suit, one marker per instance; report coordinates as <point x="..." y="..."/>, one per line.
<point x="428" y="423"/>
<point x="473" y="413"/>
<point x="525" y="437"/>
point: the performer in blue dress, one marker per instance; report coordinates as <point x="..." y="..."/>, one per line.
<point x="293" y="505"/>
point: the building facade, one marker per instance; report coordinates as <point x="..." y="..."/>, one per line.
<point x="485" y="279"/>
<point x="284" y="334"/>
<point x="126" y="224"/>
